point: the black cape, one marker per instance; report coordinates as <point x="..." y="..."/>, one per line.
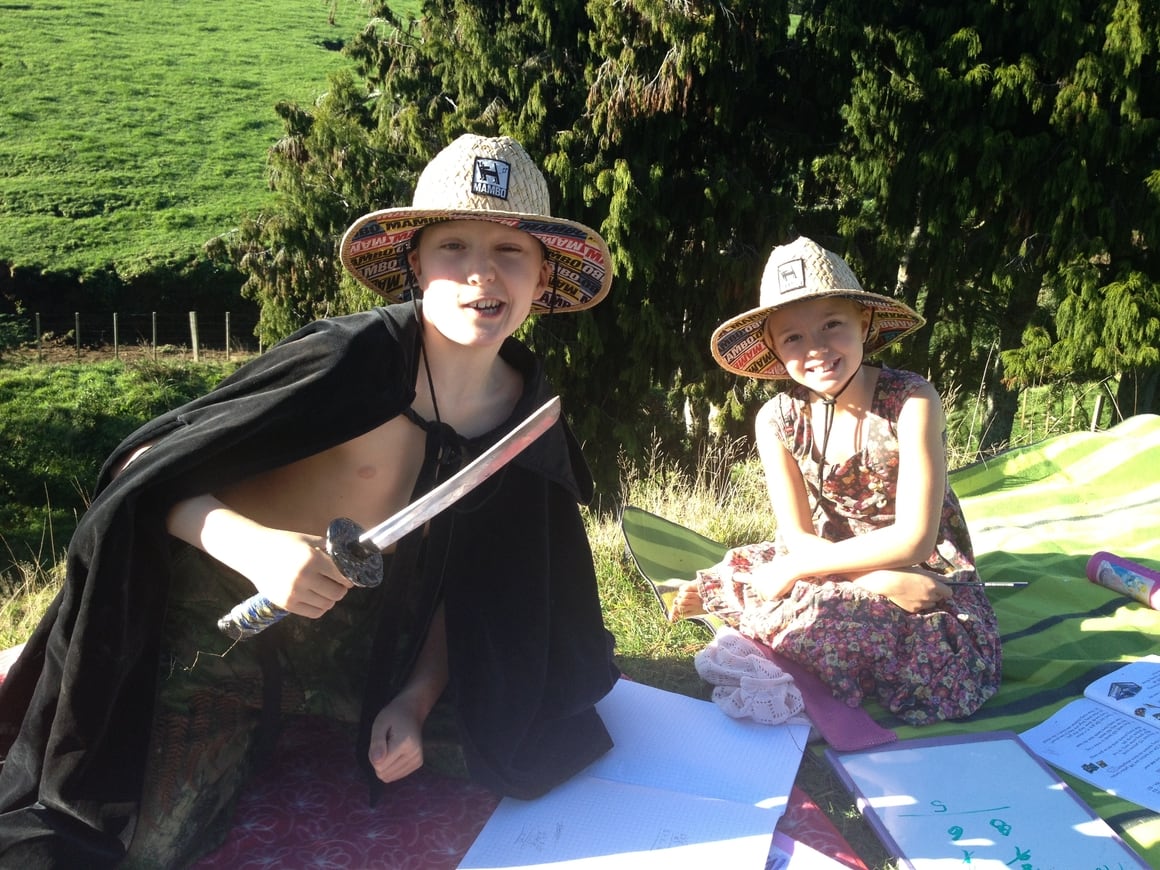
<point x="528" y="652"/>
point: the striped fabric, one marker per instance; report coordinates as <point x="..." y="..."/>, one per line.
<point x="1036" y="514"/>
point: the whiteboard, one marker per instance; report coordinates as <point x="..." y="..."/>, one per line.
<point x="981" y="801"/>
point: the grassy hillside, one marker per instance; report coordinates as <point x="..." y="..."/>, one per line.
<point x="134" y="131"/>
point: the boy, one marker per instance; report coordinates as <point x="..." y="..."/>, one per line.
<point x="492" y="606"/>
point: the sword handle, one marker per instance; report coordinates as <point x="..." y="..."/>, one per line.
<point x="359" y="563"/>
<point x="252" y="616"/>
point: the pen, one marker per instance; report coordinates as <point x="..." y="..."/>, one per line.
<point x="1017" y="583"/>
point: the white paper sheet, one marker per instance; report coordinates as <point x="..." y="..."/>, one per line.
<point x="597" y="823"/>
<point x="684" y="786"/>
<point x="672" y="741"/>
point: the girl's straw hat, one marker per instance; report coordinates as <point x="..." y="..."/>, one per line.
<point x="804" y="270"/>
<point x="477" y="178"/>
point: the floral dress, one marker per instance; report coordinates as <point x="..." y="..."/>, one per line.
<point x="924" y="667"/>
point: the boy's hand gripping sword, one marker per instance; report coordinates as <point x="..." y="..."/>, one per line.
<point x="358" y="554"/>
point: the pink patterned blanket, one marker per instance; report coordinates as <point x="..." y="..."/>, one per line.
<point x="310" y="808"/>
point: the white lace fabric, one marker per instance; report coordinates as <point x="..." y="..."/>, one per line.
<point x="746" y="683"/>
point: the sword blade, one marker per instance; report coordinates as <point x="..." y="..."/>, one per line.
<point x="358" y="554"/>
<point x="465" y="480"/>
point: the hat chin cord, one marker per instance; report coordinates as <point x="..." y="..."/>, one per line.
<point x="828" y="402"/>
<point x="828" y="416"/>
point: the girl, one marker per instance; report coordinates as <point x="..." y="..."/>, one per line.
<point x="855" y="586"/>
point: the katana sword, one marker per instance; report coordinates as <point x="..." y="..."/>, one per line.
<point x="359" y="554"/>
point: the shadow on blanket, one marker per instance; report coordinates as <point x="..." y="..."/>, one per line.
<point x="310" y="808"/>
<point x="1036" y="514"/>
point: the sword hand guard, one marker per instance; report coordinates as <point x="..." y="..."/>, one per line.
<point x="360" y="563"/>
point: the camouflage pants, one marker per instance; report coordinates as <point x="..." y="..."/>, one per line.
<point x="210" y="703"/>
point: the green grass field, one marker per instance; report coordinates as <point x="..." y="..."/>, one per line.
<point x="134" y="131"/>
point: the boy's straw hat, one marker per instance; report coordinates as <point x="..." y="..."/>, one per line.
<point x="477" y="178"/>
<point x="804" y="270"/>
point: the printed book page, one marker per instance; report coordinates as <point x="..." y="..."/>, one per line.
<point x="683" y="786"/>
<point x="1133" y="689"/>
<point x="1111" y="742"/>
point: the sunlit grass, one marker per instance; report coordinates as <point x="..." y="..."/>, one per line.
<point x="136" y="131"/>
<point x="26" y="590"/>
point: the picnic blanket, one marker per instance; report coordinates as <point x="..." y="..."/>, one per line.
<point x="1036" y="514"/>
<point x="311" y="808"/>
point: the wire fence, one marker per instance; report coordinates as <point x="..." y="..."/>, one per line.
<point x="83" y="337"/>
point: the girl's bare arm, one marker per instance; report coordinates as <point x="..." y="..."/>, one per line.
<point x="906" y="542"/>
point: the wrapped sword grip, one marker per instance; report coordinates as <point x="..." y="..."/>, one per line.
<point x="360" y="563"/>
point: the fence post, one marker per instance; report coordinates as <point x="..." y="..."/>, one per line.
<point x="227" y="336"/>
<point x="116" y="338"/>
<point x="154" y="336"/>
<point x="77" y="331"/>
<point x="39" y="348"/>
<point x="193" y="334"/>
<point x="1097" y="411"/>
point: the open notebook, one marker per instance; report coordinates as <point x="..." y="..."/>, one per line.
<point x="683" y="786"/>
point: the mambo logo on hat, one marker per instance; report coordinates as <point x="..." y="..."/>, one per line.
<point x="803" y="270"/>
<point x="490" y="177"/>
<point x="477" y="178"/>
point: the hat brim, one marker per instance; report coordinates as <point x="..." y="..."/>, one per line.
<point x="374" y="250"/>
<point x="738" y="345"/>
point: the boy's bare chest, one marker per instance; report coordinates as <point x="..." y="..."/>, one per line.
<point x="375" y="474"/>
<point x="367" y="479"/>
